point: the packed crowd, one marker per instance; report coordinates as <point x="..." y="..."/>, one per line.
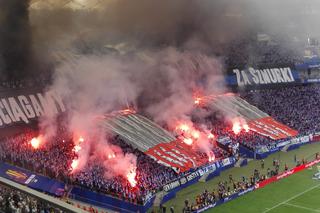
<point x="247" y="50"/>
<point x="293" y="106"/>
<point x="47" y="160"/>
<point x="290" y="107"/>
<point x="14" y="201"/>
<point x="296" y="107"/>
<point x="222" y="128"/>
<point x="150" y="177"/>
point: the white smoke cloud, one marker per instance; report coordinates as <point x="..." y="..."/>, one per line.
<point x="153" y="55"/>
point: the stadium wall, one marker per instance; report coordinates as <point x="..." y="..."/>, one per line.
<point x="293" y="143"/>
<point x="108" y="202"/>
<point x="212" y="171"/>
<point x="34" y="181"/>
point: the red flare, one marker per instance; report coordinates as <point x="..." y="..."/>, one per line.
<point x="246" y="127"/>
<point x="131" y="176"/>
<point x="188" y="141"/>
<point x="128" y="111"/>
<point x="195" y="134"/>
<point x="35" y="142"/>
<point x="81" y="139"/>
<point x="236" y="128"/>
<point x="184" y="127"/>
<point x="210" y="135"/>
<point x="77" y="148"/>
<point x="197" y="101"/>
<point x="111" y="155"/>
<point x="212" y="157"/>
<point x="74" y="164"/>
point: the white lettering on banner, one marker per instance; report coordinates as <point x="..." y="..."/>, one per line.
<point x="284" y="143"/>
<point x="8" y="109"/>
<point x="206" y="208"/>
<point x="226" y="162"/>
<point x="5" y="118"/>
<point x="201" y="172"/>
<point x="30" y="179"/>
<point x="27" y="108"/>
<point x="298" y="140"/>
<point x="263" y="76"/>
<point x="23" y="108"/>
<point x="171" y="185"/>
<point x="17" y="112"/>
<point x="192" y="176"/>
<point x="183" y="180"/>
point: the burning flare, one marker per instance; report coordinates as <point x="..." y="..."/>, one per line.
<point x="131" y="177"/>
<point x="211" y="156"/>
<point x="210" y="135"/>
<point x="183" y="127"/>
<point x="111" y="155"/>
<point x="195" y="134"/>
<point x="74" y="164"/>
<point x="246" y="127"/>
<point x="77" y="148"/>
<point x="197" y="101"/>
<point x="188" y="141"/>
<point x="81" y="139"/>
<point x="240" y="124"/>
<point x="236" y="128"/>
<point x="36" y="142"/>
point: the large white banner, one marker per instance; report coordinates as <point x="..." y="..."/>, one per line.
<point x="263" y="76"/>
<point x="23" y="108"/>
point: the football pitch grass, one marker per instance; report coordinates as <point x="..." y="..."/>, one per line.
<point x="298" y="193"/>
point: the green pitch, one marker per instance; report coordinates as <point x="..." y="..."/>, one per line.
<point x="298" y="193"/>
<point x="295" y="194"/>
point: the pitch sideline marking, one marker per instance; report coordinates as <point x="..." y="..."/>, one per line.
<point x="297" y="195"/>
<point x="301" y="207"/>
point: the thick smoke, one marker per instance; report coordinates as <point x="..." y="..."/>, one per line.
<point x="154" y="55"/>
<point x="15" y="39"/>
<point x="159" y="83"/>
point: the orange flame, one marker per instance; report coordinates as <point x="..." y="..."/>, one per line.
<point x="81" y="139"/>
<point x="236" y="128"/>
<point x="74" y="164"/>
<point x="212" y="157"/>
<point x="210" y="135"/>
<point x="246" y="127"/>
<point x="77" y="148"/>
<point x="111" y="155"/>
<point x="35" y="143"/>
<point x="131" y="176"/>
<point x="188" y="141"/>
<point x="195" y="134"/>
<point x="197" y="101"/>
<point x="184" y="127"/>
